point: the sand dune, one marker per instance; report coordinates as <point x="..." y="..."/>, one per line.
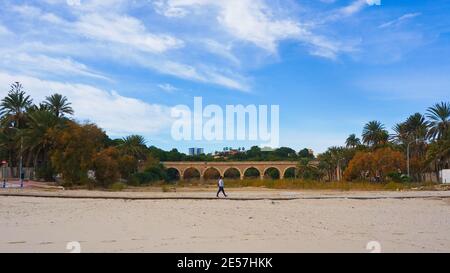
<point x="29" y="224"/>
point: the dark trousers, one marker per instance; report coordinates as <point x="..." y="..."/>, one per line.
<point x="221" y="190"/>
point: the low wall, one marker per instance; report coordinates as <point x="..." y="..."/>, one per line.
<point x="13" y="173"/>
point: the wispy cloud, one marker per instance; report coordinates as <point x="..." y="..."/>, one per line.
<point x="247" y="20"/>
<point x="399" y="20"/>
<point x="255" y="22"/>
<point x="167" y="87"/>
<point x="114" y="36"/>
<point x="124" y="30"/>
<point x="44" y="65"/>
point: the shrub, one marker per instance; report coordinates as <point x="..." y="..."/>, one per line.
<point x="106" y="167"/>
<point x="74" y="150"/>
<point x="45" y="173"/>
<point x="152" y="174"/>
<point x="398" y="177"/>
<point x="118" y="186"/>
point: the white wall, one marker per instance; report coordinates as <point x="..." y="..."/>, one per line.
<point x="445" y="176"/>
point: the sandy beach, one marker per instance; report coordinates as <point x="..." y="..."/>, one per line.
<point x="256" y="221"/>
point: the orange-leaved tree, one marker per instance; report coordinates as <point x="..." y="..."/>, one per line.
<point x="378" y="163"/>
<point x="75" y="149"/>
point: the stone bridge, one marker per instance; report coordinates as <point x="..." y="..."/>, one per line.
<point x="223" y="167"/>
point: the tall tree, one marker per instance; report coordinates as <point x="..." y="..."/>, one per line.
<point x="134" y="145"/>
<point x="14" y="105"/>
<point x="411" y="136"/>
<point x="439" y="116"/>
<point x="352" y="141"/>
<point x="374" y="134"/>
<point x="37" y="139"/>
<point x="59" y="105"/>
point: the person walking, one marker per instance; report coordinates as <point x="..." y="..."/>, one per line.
<point x="221" y="185"/>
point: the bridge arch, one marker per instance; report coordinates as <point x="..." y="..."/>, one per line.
<point x="211" y="173"/>
<point x="192" y="173"/>
<point x="173" y="173"/>
<point x="244" y="173"/>
<point x="233" y="173"/>
<point x="290" y="172"/>
<point x="279" y="175"/>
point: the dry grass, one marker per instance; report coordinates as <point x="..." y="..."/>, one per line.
<point x="311" y="185"/>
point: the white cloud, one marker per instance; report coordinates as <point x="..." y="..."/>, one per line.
<point x="200" y="73"/>
<point x="167" y="87"/>
<point x="117" y="114"/>
<point x="248" y="20"/>
<point x="353" y="8"/>
<point x="223" y="50"/>
<point x="125" y="30"/>
<point x="45" y="65"/>
<point x="124" y="39"/>
<point x="105" y="31"/>
<point x="254" y="21"/>
<point x="344" y="12"/>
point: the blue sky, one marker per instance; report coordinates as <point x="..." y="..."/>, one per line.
<point x="331" y="65"/>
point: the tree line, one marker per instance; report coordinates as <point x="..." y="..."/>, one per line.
<point x="419" y="145"/>
<point x="47" y="138"/>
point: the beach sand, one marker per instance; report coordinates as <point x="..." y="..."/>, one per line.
<point x="308" y="224"/>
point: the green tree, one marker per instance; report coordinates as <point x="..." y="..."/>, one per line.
<point x="134" y="145"/>
<point x="74" y="151"/>
<point x="308" y="170"/>
<point x="305" y="153"/>
<point x="352" y="141"/>
<point x="38" y="140"/>
<point x="14" y="105"/>
<point x="412" y="134"/>
<point x="375" y="134"/>
<point x="439" y="116"/>
<point x="59" y="105"/>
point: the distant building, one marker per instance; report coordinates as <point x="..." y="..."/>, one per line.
<point x="227" y="151"/>
<point x="196" y="151"/>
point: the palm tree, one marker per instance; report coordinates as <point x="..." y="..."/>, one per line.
<point x="401" y="134"/>
<point x="37" y="138"/>
<point x="134" y="145"/>
<point x="352" y="141"/>
<point x="14" y="105"/>
<point x="59" y="105"/>
<point x="374" y="134"/>
<point x="439" y="116"/>
<point x="411" y="135"/>
<point x="417" y="126"/>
